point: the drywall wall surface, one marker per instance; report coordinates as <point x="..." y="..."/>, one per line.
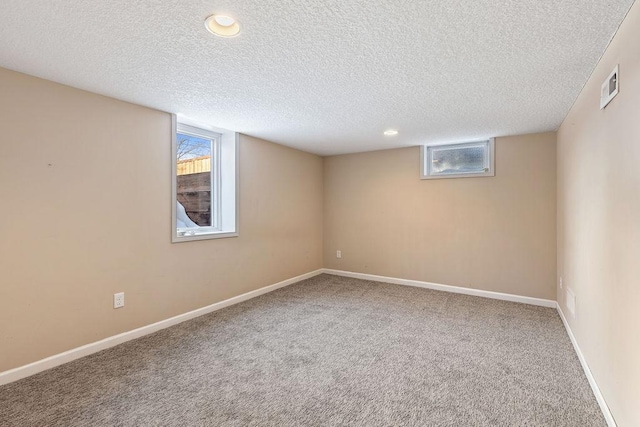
<point x="599" y="224"/>
<point x="85" y="190"/>
<point x="491" y="233"/>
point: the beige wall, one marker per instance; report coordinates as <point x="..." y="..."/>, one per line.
<point x="599" y="224"/>
<point x="86" y="207"/>
<point x="493" y="233"/>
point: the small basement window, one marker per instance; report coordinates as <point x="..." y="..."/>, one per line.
<point x="460" y="160"/>
<point x="204" y="204"/>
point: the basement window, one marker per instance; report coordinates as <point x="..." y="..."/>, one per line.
<point x="460" y="160"/>
<point x="204" y="169"/>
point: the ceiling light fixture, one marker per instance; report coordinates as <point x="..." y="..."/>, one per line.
<point x="222" y="25"/>
<point x="390" y="132"/>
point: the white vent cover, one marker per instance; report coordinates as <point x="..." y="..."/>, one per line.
<point x="609" y="88"/>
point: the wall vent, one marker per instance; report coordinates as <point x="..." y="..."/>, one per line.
<point x="609" y="88"/>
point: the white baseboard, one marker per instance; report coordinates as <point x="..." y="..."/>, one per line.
<point x="592" y="381"/>
<point x="445" y="288"/>
<point x="85" y="350"/>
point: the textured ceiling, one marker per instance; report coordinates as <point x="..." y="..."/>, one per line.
<point x="326" y="76"/>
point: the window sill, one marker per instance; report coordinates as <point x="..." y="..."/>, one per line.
<point x="204" y="236"/>
<point x="459" y="175"/>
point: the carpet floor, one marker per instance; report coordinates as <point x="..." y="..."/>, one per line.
<point x="327" y="351"/>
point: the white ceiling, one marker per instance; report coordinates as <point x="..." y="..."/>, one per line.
<point x="325" y="76"/>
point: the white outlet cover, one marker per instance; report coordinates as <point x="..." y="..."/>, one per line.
<point x="118" y="300"/>
<point x="338" y="254"/>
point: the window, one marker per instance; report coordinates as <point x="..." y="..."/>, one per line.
<point x="204" y="204"/>
<point x="461" y="160"/>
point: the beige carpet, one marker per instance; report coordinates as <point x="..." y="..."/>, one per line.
<point x="328" y="351"/>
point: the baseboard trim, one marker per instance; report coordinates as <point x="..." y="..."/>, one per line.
<point x="608" y="416"/>
<point x="85" y="350"/>
<point x="445" y="288"/>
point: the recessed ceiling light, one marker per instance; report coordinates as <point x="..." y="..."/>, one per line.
<point x="390" y="132"/>
<point x="222" y="25"/>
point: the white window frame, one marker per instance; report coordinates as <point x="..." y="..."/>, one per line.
<point x="224" y="183"/>
<point x="426" y="156"/>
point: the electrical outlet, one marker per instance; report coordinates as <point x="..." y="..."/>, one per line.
<point x="561" y="282"/>
<point x="118" y="300"/>
<point x="338" y="254"/>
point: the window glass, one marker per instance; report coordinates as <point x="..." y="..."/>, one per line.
<point x="456" y="160"/>
<point x="194" y="181"/>
<point x="469" y="159"/>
